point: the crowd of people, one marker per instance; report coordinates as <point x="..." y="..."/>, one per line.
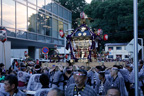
<point x="70" y="80"/>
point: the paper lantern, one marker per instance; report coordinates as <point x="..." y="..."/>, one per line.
<point x="82" y="15"/>
<point x="99" y="32"/>
<point x="105" y="37"/>
<point x="3" y="35"/>
<point x="61" y="33"/>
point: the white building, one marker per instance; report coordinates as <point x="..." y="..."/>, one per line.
<point x="117" y="50"/>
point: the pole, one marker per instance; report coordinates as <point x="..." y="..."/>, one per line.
<point x="64" y="48"/>
<point x="135" y="46"/>
<point x="4" y="54"/>
<point x="142" y="47"/>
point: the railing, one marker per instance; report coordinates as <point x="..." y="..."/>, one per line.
<point x="20" y="34"/>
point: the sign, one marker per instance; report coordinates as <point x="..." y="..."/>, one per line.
<point x="130" y="47"/>
<point x="45" y="50"/>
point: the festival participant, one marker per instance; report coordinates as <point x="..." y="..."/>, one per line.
<point x="80" y="88"/>
<point x="23" y="77"/>
<point x="117" y="81"/>
<point x="113" y="91"/>
<point x="93" y="76"/>
<point x="44" y="80"/>
<point x="103" y="85"/>
<point x="11" y="83"/>
<point x="58" y="78"/>
<point x="55" y="92"/>
<point x="68" y="76"/>
<point x="34" y="82"/>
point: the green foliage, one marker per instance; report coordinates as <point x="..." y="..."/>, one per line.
<point x="115" y="17"/>
<point x="76" y="6"/>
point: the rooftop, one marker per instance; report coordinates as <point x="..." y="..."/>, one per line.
<point x="116" y="44"/>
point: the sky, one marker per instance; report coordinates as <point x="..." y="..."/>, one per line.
<point x="88" y="1"/>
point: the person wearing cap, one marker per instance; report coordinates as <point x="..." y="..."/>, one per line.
<point x="103" y="85"/>
<point x="117" y="81"/>
<point x="80" y="88"/>
<point x="22" y="77"/>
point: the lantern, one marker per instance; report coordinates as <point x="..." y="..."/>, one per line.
<point x="25" y="53"/>
<point x="66" y="56"/>
<point x="82" y="15"/>
<point x="105" y="37"/>
<point x="3" y="35"/>
<point x="99" y="32"/>
<point x="61" y="33"/>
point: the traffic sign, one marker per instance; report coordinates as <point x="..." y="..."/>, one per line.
<point x="45" y="50"/>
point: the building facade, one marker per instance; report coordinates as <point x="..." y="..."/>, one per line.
<point x="117" y="50"/>
<point x="34" y="23"/>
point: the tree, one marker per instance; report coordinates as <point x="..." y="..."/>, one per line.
<point x="76" y="6"/>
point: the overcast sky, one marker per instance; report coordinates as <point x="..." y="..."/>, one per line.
<point x="88" y="1"/>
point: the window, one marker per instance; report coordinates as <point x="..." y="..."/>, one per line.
<point x="60" y="12"/>
<point x="110" y="56"/>
<point x="21" y="17"/>
<point x="55" y="8"/>
<point x="8" y="12"/>
<point x="48" y="26"/>
<point x="55" y="28"/>
<point x="32" y="3"/>
<point x="110" y="48"/>
<point x="32" y="20"/>
<point x="48" y="5"/>
<point x="41" y="23"/>
<point x="118" y="48"/>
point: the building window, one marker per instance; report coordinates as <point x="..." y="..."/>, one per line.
<point x="55" y="8"/>
<point x="48" y="25"/>
<point x="8" y="13"/>
<point x="55" y="28"/>
<point x="110" y="56"/>
<point x="118" y="48"/>
<point x="21" y="17"/>
<point x="110" y="48"/>
<point x="60" y="11"/>
<point x="48" y="5"/>
<point x="32" y="20"/>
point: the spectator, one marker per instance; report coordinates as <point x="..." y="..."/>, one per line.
<point x="11" y="83"/>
